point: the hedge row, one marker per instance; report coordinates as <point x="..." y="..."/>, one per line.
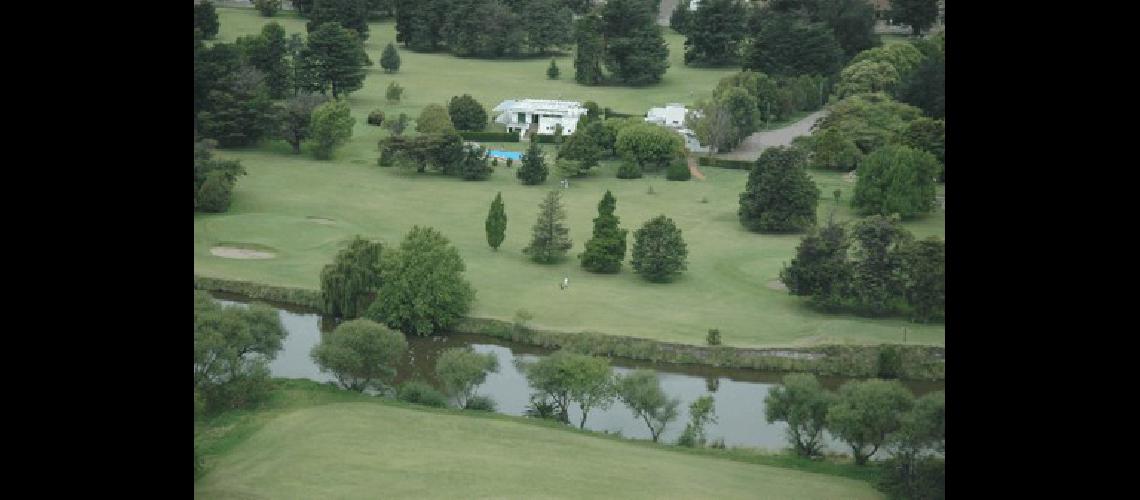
<point x="914" y="362"/>
<point x="545" y="139"/>
<point x="490" y="136"/>
<point x="614" y="114"/>
<point x="917" y="362"/>
<point x="297" y="296"/>
<point x="706" y="161"/>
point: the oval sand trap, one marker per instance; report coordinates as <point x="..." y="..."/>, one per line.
<point x="240" y="253"/>
<point x="777" y="285"/>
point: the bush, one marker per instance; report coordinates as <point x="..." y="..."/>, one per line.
<point x="713" y="338"/>
<point x="927" y="479"/>
<point x="481" y="403"/>
<point x="394" y="92"/>
<point x="472" y="135"/>
<point x="890" y="362"/>
<point x="629" y="170"/>
<point x="214" y="196"/>
<point x="678" y="171"/>
<point x="466" y="113"/>
<point x="387" y="157"/>
<point x="420" y="393"/>
<point x="376" y="117"/>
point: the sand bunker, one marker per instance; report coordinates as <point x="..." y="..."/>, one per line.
<point x="321" y="220"/>
<point x="849" y="177"/>
<point x="777" y="285"/>
<point x="240" y="253"/>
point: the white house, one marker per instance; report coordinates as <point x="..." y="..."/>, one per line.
<point x="673" y="116"/>
<point x="539" y="116"/>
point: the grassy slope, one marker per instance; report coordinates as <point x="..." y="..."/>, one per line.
<point x="362" y="447"/>
<point x="725" y="286"/>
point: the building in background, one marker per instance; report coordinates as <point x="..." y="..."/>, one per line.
<point x="539" y="116"/>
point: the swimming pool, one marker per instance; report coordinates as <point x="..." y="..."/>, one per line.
<point x="514" y="155"/>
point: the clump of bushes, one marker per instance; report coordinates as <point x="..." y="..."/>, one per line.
<point x="420" y="393"/>
<point x="481" y="403"/>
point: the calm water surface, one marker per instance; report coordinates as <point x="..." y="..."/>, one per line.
<point x="739" y="393"/>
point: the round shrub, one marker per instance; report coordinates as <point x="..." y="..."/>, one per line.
<point x="214" y="195"/>
<point x="629" y="170"/>
<point x="376" y="117"/>
<point x="420" y="393"/>
<point x="678" y="171"/>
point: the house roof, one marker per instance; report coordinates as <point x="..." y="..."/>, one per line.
<point x="540" y="105"/>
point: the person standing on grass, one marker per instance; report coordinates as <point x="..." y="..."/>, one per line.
<point x="565" y="283"/>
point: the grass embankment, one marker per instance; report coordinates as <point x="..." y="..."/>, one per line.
<point x="729" y="283"/>
<point x="314" y="441"/>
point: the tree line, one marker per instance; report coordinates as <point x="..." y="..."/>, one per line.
<point x="868" y="416"/>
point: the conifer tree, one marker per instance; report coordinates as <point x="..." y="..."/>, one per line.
<point x="390" y="59"/>
<point x="533" y="170"/>
<point x="496" y="222"/>
<point x="551" y="238"/>
<point x="605" y="251"/>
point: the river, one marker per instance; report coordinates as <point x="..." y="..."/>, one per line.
<point x="738" y="393"/>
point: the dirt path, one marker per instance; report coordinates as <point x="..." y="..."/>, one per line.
<point x="694" y="170"/>
<point x="756" y="143"/>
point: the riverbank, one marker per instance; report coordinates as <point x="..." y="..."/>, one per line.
<point x="861" y="361"/>
<point x="261" y="450"/>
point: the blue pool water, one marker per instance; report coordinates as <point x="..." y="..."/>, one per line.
<point x="514" y="155"/>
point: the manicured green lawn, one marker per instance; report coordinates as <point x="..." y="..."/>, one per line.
<point x="725" y="287"/>
<point x="376" y="449"/>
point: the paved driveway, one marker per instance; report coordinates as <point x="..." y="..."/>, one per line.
<point x="756" y="143"/>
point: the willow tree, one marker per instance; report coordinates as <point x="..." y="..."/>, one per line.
<point x="354" y="275"/>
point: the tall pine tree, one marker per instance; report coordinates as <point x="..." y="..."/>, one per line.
<point x="496" y="222"/>
<point x="605" y="251"/>
<point x="551" y="239"/>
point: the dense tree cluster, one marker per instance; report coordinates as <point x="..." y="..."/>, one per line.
<point x="236" y="85"/>
<point x="565" y="378"/>
<point x="623" y="37"/>
<point x="875" y="267"/>
<point x="716" y="32"/>
<point x="443" y="153"/>
<point x="483" y="28"/>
